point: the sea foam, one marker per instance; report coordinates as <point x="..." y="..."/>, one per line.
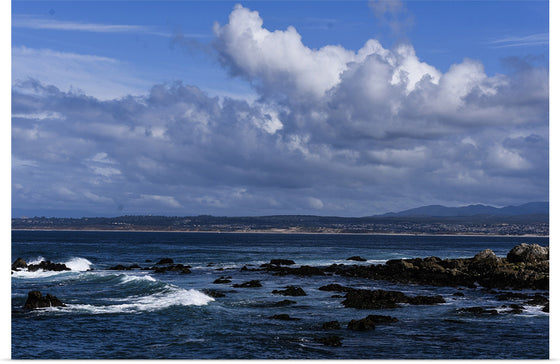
<point x="173" y="296"/>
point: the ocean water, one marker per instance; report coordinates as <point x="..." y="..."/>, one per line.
<point x="140" y="314"/>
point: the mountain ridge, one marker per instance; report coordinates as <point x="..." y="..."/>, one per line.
<point x="529" y="208"/>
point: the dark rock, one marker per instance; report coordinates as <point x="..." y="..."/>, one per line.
<point x="361" y="325"/>
<point x="250" y="284"/>
<point x="165" y="261"/>
<point x="282" y="262"/>
<point x="283" y="303"/>
<point x="291" y="291"/>
<point x="546" y="308"/>
<point x="525" y="253"/>
<point x="134" y="266"/>
<point x="516" y="309"/>
<point x="118" y="267"/>
<point x="331" y="325"/>
<point x="485" y="255"/>
<point x="380" y="319"/>
<point x="47" y="266"/>
<point x="36" y="300"/>
<point x="357" y="259"/>
<point x="378" y="299"/>
<point x="284" y="317"/>
<point x="19" y="263"/>
<point x="330" y="341"/>
<point x="334" y="287"/>
<point x="222" y="280"/>
<point x="459" y="294"/>
<point x="537" y="300"/>
<point x="213" y="293"/>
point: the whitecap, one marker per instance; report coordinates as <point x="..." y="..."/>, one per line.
<point x="173" y="296"/>
<point x="78" y="264"/>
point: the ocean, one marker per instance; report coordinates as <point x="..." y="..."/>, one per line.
<point x="141" y="314"/>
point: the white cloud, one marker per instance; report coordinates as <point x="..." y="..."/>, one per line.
<point x="335" y="131"/>
<point x="521" y="41"/>
<point x="32" y="22"/>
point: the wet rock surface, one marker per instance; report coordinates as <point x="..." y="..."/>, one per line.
<point x="35" y="299"/>
<point x="526" y="267"/>
<point x="291" y="291"/>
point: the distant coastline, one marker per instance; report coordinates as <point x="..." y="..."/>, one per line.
<point x="285" y="231"/>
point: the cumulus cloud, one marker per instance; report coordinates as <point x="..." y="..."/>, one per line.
<point x="335" y="131"/>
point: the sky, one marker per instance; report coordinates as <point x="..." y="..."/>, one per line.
<point x="233" y="108"/>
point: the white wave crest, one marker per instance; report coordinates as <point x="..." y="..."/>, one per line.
<point x="36" y="260"/>
<point x="175" y="296"/>
<point x="37" y="274"/>
<point x="125" y="278"/>
<point x="78" y="264"/>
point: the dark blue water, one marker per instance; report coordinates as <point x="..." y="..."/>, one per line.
<point x="146" y="315"/>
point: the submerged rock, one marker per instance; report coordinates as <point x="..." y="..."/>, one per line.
<point x="36" y="300"/>
<point x="250" y="284"/>
<point x="331" y="325"/>
<point x="330" y="340"/>
<point x="364" y="324"/>
<point x="284" y="317"/>
<point x="222" y="280"/>
<point x="213" y="293"/>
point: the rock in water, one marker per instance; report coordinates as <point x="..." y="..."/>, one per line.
<point x="250" y="284"/>
<point x="282" y="262"/>
<point x="525" y="253"/>
<point x="36" y="300"/>
<point x="357" y="258"/>
<point x="330" y="340"/>
<point x="47" y="266"/>
<point x="291" y="291"/>
<point x="19" y="263"/>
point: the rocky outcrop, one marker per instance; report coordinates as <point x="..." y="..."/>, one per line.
<point x="282" y="262"/>
<point x="47" y="266"/>
<point x="291" y="291"/>
<point x="527" y="266"/>
<point x="222" y="280"/>
<point x="250" y="284"/>
<point x="380" y="299"/>
<point x="370" y="321"/>
<point x="357" y="258"/>
<point x="19" y="263"/>
<point x="330" y="340"/>
<point x="36" y="300"/>
<point x="525" y="253"/>
<point x="364" y="324"/>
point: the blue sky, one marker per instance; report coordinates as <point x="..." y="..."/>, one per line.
<point x="277" y="107"/>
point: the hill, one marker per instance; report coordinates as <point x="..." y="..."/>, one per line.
<point x="473" y="210"/>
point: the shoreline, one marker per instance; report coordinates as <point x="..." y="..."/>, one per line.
<point x="288" y="232"/>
